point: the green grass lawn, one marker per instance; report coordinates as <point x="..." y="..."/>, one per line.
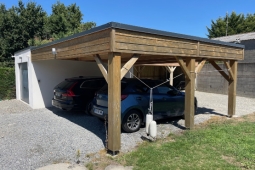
<point x="222" y="145"/>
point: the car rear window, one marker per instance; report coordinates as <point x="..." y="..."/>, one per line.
<point x="93" y="84"/>
<point x="65" y="84"/>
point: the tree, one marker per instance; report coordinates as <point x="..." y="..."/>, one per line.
<point x="64" y="19"/>
<point x="33" y="18"/>
<point x="235" y="23"/>
<point x="86" y="26"/>
<point x="218" y="28"/>
<point x="249" y="24"/>
<point x="18" y="25"/>
<point x="29" y="25"/>
<point x="230" y="25"/>
<point x="11" y="36"/>
<point x="82" y="27"/>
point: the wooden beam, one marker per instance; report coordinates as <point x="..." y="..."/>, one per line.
<point x="231" y="75"/>
<point x="155" y="61"/>
<point x="198" y="69"/>
<point x="215" y="65"/>
<point x="232" y="89"/>
<point x="114" y="103"/>
<point x="167" y="68"/>
<point x="190" y="94"/>
<point x="140" y="70"/>
<point x="171" y="76"/>
<point x="183" y="67"/>
<point x="136" y="68"/>
<point x="101" y="66"/>
<point x="170" y="68"/>
<point x="128" y="65"/>
<point x="162" y="64"/>
<point x="200" y="66"/>
<point x="198" y="49"/>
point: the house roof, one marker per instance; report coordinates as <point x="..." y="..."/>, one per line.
<point x="237" y="37"/>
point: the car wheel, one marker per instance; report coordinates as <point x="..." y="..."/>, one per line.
<point x="88" y="108"/>
<point x="132" y="121"/>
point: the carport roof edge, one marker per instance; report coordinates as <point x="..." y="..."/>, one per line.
<point x="28" y="48"/>
<point x="137" y="29"/>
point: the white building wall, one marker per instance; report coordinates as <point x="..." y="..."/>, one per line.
<point x="43" y="76"/>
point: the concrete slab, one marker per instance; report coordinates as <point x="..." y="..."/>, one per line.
<point x="62" y="166"/>
<point x="118" y="167"/>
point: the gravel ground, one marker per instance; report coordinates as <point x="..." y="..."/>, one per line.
<point x="30" y="139"/>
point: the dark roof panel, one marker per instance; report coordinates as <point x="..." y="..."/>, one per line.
<point x="31" y="48"/>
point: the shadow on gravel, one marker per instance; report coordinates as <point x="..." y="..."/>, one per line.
<point x="84" y="120"/>
<point x="204" y="110"/>
<point x="200" y="110"/>
<point x="173" y="121"/>
<point x="97" y="126"/>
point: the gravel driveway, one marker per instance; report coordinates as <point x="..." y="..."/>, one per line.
<point x="30" y="139"/>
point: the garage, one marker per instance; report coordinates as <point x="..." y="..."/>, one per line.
<point x="43" y="76"/>
<point x="120" y="46"/>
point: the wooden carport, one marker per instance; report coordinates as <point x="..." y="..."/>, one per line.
<point x="117" y="44"/>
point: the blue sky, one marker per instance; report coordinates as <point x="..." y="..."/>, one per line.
<point x="180" y="16"/>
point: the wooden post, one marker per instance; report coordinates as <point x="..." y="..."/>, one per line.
<point x="139" y="72"/>
<point x="232" y="89"/>
<point x="114" y="103"/>
<point x="190" y="94"/>
<point x="171" y="75"/>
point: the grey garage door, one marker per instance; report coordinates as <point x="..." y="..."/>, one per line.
<point x="24" y="82"/>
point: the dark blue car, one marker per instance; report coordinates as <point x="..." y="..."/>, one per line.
<point x="135" y="96"/>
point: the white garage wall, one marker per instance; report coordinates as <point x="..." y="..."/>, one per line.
<point x="43" y="76"/>
<point x="47" y="74"/>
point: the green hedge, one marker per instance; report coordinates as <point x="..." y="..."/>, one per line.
<point x="7" y="83"/>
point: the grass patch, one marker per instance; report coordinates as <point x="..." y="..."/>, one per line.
<point x="89" y="166"/>
<point x="224" y="144"/>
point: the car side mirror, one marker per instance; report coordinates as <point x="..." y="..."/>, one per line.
<point x="172" y="92"/>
